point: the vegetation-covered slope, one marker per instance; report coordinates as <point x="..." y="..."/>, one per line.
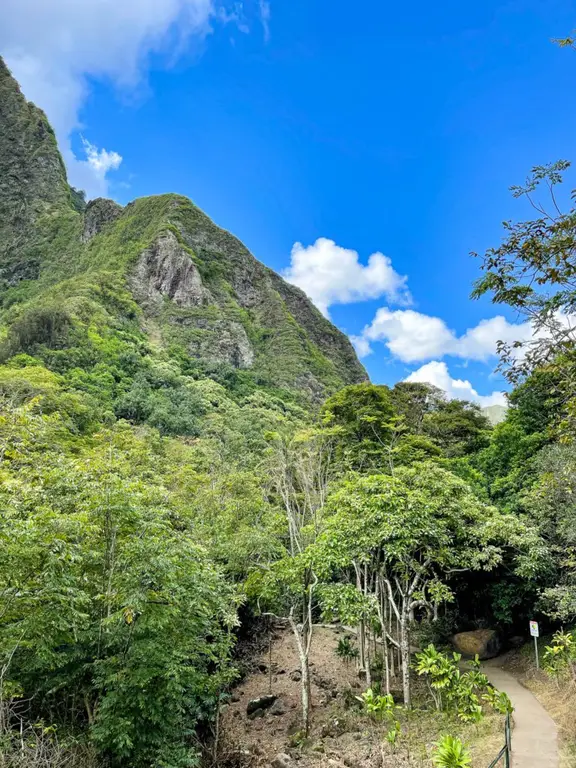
<point x="197" y="289"/>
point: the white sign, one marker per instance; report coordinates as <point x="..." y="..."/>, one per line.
<point x="534" y="629"/>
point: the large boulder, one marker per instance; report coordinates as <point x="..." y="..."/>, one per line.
<point x="261" y="703"/>
<point x="482" y="642"/>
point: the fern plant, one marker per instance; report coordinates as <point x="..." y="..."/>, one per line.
<point x="346" y="650"/>
<point x="451" y="753"/>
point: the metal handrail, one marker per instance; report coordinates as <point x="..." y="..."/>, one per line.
<point x="506" y="751"/>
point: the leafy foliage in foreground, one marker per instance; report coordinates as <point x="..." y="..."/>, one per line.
<point x="451" y="753"/>
<point x="109" y="604"/>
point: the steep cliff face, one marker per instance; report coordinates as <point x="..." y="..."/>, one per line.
<point x="32" y="180"/>
<point x="197" y="288"/>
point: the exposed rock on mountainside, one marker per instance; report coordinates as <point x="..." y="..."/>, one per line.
<point x="198" y="286"/>
<point x="166" y="271"/>
<point x="495" y="413"/>
<point x="97" y="215"/>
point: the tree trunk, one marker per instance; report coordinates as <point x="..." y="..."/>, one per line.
<point x="405" y="656"/>
<point x="362" y="645"/>
<point x="367" y="661"/>
<point x="302" y="645"/>
<point x="305" y="670"/>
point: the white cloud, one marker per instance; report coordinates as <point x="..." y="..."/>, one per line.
<point x="100" y="160"/>
<point x="264" y="6"/>
<point x="409" y="335"/>
<point x="412" y="336"/>
<point x="361" y="345"/>
<point x="480" y="342"/>
<point x="437" y="373"/>
<point x="53" y="48"/>
<point x="329" y="275"/>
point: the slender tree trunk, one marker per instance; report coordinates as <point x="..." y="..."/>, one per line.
<point x="301" y="644"/>
<point x="405" y="655"/>
<point x="382" y="605"/>
<point x="385" y="646"/>
<point x="362" y="645"/>
<point x="368" y="671"/>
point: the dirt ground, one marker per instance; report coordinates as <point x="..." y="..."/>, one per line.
<point x="341" y="736"/>
<point x="265" y="737"/>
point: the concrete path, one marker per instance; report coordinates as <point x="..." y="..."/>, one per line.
<point x="534" y="736"/>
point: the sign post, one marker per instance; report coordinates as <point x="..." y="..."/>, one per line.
<point x="535" y="632"/>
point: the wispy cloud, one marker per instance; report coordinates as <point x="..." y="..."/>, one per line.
<point x="265" y="18"/>
<point x="54" y="49"/>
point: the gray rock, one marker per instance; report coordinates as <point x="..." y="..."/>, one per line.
<point x="255" y="714"/>
<point x="296" y="676"/>
<point x="278" y="708"/>
<point x="98" y="214"/>
<point x="166" y="271"/>
<point x="262" y="702"/>
<point x="219" y="341"/>
<point x="282" y="761"/>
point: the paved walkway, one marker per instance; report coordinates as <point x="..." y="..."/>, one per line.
<point x="534" y="737"/>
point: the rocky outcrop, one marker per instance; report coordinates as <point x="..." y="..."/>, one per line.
<point x="482" y="642"/>
<point x="293" y="327"/>
<point x="166" y="271"/>
<point x="98" y="214"/>
<point x="221" y="341"/>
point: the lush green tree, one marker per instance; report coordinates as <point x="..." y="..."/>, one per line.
<point x="458" y="427"/>
<point x="507" y="462"/>
<point x="110" y="611"/>
<point x="399" y="538"/>
<point x="414" y="400"/>
<point x="551" y="504"/>
<point x="366" y="418"/>
<point x="533" y="272"/>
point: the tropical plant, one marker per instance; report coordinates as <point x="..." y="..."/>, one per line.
<point x="378" y="705"/>
<point x="560" y="656"/>
<point x="450" y="752"/>
<point x="346" y="650"/>
<point x="457" y="691"/>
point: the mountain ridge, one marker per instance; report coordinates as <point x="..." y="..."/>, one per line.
<point x="196" y="287"/>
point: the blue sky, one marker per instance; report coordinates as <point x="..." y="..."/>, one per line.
<point x="377" y="128"/>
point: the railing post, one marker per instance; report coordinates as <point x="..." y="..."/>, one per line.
<point x="508" y="740"/>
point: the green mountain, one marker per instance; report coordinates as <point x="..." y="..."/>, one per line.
<point x="83" y="285"/>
